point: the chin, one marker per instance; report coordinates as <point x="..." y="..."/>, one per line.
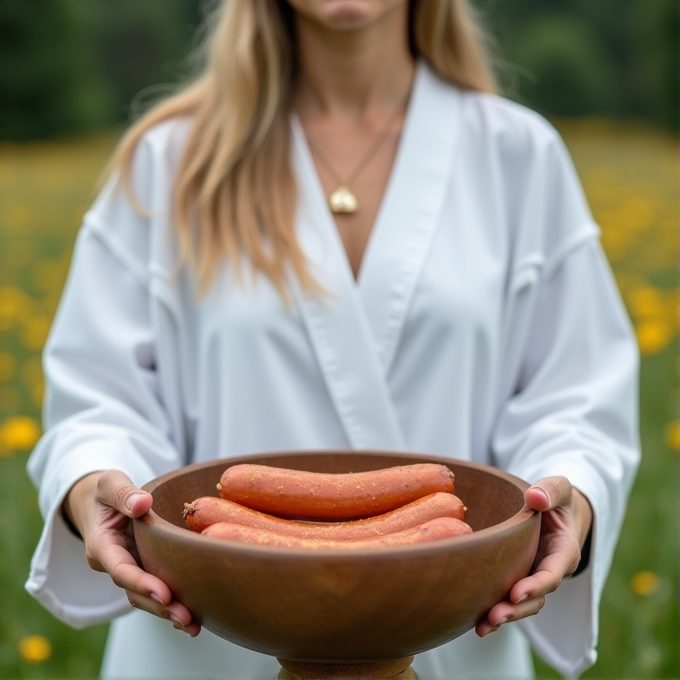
<point x="349" y="12"/>
<point x="344" y="14"/>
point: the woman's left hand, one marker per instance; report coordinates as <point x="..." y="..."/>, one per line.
<point x="566" y="521"/>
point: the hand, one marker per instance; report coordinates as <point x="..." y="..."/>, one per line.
<point x="566" y="521"/>
<point x="101" y="506"/>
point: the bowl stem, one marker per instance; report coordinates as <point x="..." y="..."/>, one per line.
<point x="394" y="669"/>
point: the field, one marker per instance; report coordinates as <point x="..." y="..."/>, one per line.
<point x="630" y="176"/>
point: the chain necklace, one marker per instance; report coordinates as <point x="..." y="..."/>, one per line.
<point x="343" y="200"/>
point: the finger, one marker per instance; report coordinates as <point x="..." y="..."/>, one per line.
<point x="125" y="573"/>
<point x="548" y="493"/>
<point x="546" y="579"/>
<point x="115" y="489"/>
<point x="175" y="612"/>
<point x="505" y="612"/>
<point x="144" y="590"/>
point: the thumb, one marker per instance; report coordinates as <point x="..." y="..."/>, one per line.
<point x="115" y="489"/>
<point x="548" y="493"/>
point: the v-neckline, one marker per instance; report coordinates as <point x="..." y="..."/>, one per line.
<point x="395" y="170"/>
<point x="405" y="226"/>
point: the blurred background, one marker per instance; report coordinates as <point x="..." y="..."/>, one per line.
<point x="74" y="72"/>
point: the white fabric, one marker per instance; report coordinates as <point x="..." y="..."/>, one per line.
<point x="484" y="325"/>
<point x="133" y="635"/>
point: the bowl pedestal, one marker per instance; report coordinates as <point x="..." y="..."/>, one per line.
<point x="395" y="669"/>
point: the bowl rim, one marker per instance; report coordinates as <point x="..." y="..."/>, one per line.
<point x="481" y="536"/>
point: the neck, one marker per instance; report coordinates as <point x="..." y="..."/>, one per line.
<point x="352" y="73"/>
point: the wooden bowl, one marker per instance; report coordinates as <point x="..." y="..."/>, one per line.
<point x="346" y="606"/>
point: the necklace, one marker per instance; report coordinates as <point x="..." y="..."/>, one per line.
<point x="343" y="200"/>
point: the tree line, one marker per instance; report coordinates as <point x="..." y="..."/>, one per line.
<point x="71" y="66"/>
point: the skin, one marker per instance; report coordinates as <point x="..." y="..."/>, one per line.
<point x="101" y="506"/>
<point x="567" y="519"/>
<point x="355" y="78"/>
<point x="355" y="72"/>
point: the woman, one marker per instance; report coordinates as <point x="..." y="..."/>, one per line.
<point x="337" y="237"/>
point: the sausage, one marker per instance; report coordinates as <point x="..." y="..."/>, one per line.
<point x="434" y="530"/>
<point x="209" y="510"/>
<point x="296" y="494"/>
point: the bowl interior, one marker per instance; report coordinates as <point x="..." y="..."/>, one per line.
<point x="490" y="496"/>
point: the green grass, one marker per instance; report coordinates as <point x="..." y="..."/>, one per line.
<point x="46" y="188"/>
<point x="630" y="178"/>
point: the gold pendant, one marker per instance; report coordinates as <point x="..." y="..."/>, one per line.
<point x="342" y="200"/>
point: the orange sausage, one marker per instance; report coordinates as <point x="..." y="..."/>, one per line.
<point x="295" y="494"/>
<point x="434" y="530"/>
<point x="209" y="510"/>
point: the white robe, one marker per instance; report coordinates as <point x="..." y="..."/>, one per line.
<point x="484" y="325"/>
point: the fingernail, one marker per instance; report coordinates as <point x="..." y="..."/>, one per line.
<point x="542" y="492"/>
<point x="155" y="597"/>
<point x="500" y="623"/>
<point x="131" y="500"/>
<point x="176" y="623"/>
<point x="523" y="598"/>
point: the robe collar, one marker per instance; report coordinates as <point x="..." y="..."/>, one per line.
<point x="355" y="330"/>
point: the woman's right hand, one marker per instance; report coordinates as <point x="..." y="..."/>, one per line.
<point x="101" y="506"/>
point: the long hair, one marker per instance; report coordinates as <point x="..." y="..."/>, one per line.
<point x="235" y="192"/>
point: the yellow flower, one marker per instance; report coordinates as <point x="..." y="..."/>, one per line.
<point x="647" y="302"/>
<point x="19" y="433"/>
<point x="35" y="648"/>
<point x="653" y="335"/>
<point x="644" y="583"/>
<point x="15" y="306"/>
<point x="673" y="436"/>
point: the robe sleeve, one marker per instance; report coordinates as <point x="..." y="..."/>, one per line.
<point x="103" y="408"/>
<point x="573" y="410"/>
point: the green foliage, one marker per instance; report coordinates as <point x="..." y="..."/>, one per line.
<point x="579" y="57"/>
<point x="654" y="73"/>
<point x="568" y="72"/>
<point x="74" y="65"/>
<point x="141" y="47"/>
<point x="46" y="77"/>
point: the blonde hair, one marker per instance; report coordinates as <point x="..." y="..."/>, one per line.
<point x="235" y="192"/>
